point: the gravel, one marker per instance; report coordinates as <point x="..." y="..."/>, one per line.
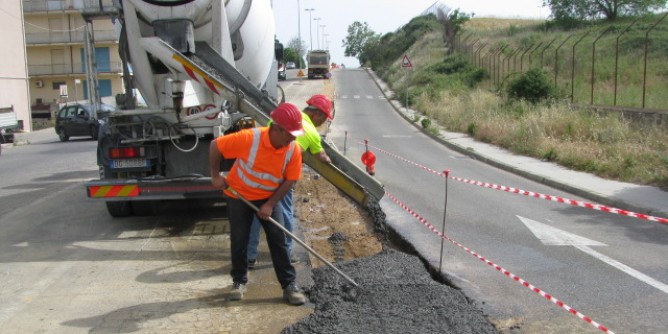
<point x="396" y="294"/>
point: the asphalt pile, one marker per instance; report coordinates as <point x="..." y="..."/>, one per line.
<point x="396" y="294"/>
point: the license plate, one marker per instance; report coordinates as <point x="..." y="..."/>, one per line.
<point x="129" y="163"/>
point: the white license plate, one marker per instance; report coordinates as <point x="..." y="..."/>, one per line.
<point x="129" y="163"/>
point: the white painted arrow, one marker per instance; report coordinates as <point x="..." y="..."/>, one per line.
<point x="549" y="235"/>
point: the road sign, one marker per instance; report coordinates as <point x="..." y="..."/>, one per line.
<point x="406" y="62"/>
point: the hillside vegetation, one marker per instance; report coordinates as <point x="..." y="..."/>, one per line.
<point x="523" y="110"/>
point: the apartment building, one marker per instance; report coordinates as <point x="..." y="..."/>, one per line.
<point x="57" y="35"/>
<point x="13" y="71"/>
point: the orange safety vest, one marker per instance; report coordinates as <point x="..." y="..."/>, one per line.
<point x="259" y="168"/>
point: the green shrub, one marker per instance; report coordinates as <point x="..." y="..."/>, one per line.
<point x="426" y="123"/>
<point x="533" y="86"/>
<point x="471" y="129"/>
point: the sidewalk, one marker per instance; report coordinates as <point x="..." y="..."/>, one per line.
<point x="626" y="196"/>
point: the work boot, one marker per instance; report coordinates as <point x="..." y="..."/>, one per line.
<point x="238" y="290"/>
<point x="292" y="295"/>
<point x="252" y="263"/>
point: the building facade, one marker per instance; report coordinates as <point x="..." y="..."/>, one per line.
<point x="57" y="35"/>
<point x="13" y="70"/>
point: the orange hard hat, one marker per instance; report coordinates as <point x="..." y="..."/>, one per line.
<point x="288" y="116"/>
<point x="321" y="102"/>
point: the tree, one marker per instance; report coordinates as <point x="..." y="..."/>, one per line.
<point x="291" y="55"/>
<point x="453" y="25"/>
<point x="566" y="10"/>
<point x="299" y="48"/>
<point x="359" y="34"/>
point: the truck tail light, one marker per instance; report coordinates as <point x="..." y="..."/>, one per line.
<point x="126" y="152"/>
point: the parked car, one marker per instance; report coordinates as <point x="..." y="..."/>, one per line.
<point x="291" y="65"/>
<point x="81" y="119"/>
<point x="281" y="72"/>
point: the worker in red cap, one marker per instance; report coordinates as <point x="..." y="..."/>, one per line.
<point x="268" y="163"/>
<point x="318" y="110"/>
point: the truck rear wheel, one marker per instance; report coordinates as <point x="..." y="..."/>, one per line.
<point x="119" y="209"/>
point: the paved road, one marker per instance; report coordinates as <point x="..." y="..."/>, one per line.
<point x="609" y="267"/>
<point x="66" y="266"/>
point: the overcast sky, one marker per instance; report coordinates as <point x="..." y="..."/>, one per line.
<point x="382" y="16"/>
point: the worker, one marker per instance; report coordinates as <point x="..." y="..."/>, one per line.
<point x="268" y="163"/>
<point x="318" y="110"/>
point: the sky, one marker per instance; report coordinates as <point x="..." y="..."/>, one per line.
<point x="382" y="16"/>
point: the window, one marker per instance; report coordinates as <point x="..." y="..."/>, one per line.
<point x="56" y="85"/>
<point x="71" y="111"/>
<point x="101" y="58"/>
<point x="104" y="88"/>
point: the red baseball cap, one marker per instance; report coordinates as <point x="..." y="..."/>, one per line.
<point x="288" y="116"/>
<point x="321" y="102"/>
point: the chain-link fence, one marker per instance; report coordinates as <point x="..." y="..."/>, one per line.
<point x="621" y="65"/>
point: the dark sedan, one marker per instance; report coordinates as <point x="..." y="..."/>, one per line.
<point x="81" y="119"/>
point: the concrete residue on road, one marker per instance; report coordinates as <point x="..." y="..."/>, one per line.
<point x="396" y="294"/>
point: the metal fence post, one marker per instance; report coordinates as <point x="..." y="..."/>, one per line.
<point x="593" y="62"/>
<point x="644" y="79"/>
<point x="556" y="59"/>
<point x="617" y="57"/>
<point x="573" y="66"/>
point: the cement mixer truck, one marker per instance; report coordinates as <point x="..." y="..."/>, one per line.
<point x="205" y="68"/>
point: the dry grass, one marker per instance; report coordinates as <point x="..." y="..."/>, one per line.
<point x="495" y="24"/>
<point x="606" y="145"/>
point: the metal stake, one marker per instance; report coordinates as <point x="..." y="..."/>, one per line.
<point x="445" y="211"/>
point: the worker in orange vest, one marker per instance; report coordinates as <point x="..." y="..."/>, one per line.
<point x="268" y="164"/>
<point x="318" y="110"/>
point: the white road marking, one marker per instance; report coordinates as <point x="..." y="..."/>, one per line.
<point x="552" y="236"/>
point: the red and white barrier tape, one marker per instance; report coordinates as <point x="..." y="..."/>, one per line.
<point x="557" y="199"/>
<point x="501" y="269"/>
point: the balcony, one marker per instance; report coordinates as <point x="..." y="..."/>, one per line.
<point x="73" y="37"/>
<point x="85" y="6"/>
<point x="77" y="68"/>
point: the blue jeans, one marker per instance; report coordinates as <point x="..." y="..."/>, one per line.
<point x="288" y="223"/>
<point x="241" y="217"/>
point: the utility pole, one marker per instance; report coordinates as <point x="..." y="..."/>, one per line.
<point x="310" y="29"/>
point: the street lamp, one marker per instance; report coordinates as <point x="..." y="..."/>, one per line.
<point x="323" y="35"/>
<point x="325" y="41"/>
<point x="299" y="32"/>
<point x="317" y="30"/>
<point x="310" y="30"/>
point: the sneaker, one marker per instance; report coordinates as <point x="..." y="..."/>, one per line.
<point x="238" y="290"/>
<point x="252" y="263"/>
<point x="292" y="295"/>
